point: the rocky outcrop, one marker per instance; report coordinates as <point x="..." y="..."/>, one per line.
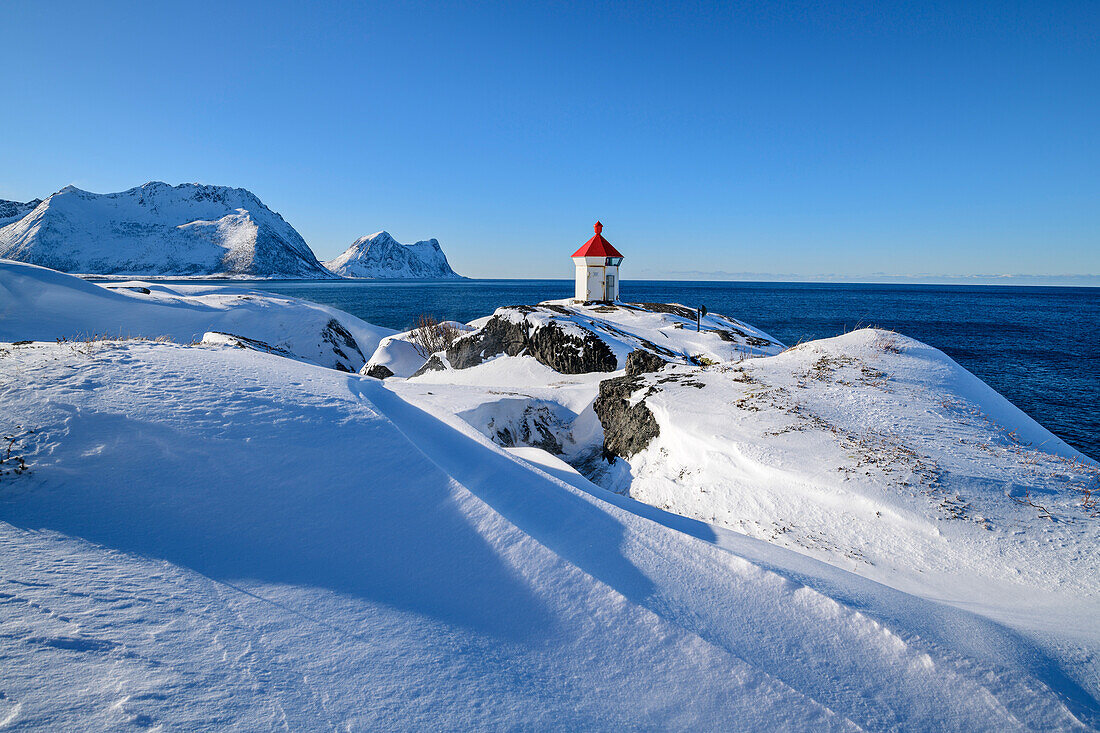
<point x="522" y="421"/>
<point x="628" y="425"/>
<point x="378" y="371"/>
<point x="548" y="341"/>
<point x="336" y="336"/>
<point x="433" y="364"/>
<point x="641" y="362"/>
<point x="579" y="338"/>
<point x="221" y="338"/>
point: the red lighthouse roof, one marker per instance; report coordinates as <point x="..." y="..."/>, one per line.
<point x="597" y="246"/>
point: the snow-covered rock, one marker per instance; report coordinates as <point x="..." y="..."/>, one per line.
<point x="398" y="356"/>
<point x="597" y="337"/>
<point x="162" y="230"/>
<point x="38" y="304"/>
<point x="381" y="256"/>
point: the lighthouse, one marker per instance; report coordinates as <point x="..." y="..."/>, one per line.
<point x="597" y="264"/>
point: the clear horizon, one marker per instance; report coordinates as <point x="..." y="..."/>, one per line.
<point x="767" y="142"/>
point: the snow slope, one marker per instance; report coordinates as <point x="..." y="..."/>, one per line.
<point x="41" y="304"/>
<point x="381" y="256"/>
<point x="920" y="473"/>
<point x="158" y="229"/>
<point x="212" y="537"/>
<point x="872" y="452"/>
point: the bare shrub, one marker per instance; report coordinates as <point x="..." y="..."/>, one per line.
<point x="431" y="336"/>
<point x="14" y="464"/>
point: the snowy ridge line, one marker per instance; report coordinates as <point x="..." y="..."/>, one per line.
<point x="709" y="620"/>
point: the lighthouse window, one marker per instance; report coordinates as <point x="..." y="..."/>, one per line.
<point x="613" y="261"/>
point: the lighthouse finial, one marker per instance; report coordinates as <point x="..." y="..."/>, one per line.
<point x="598" y="227"/>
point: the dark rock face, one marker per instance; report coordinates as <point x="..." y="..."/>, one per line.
<point x="627" y="429"/>
<point x="243" y="342"/>
<point x="378" y="371"/>
<point x="433" y="364"/>
<point x="549" y="344"/>
<point x="12" y="210"/>
<point x="336" y="335"/>
<point x="539" y="427"/>
<point x="498" y="336"/>
<point x="640" y="362"/>
<point x="673" y="308"/>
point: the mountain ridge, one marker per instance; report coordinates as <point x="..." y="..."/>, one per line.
<point x="190" y="229"/>
<point x="15" y="210"/>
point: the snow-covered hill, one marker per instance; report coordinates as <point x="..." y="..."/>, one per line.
<point x="211" y="537"/>
<point x="872" y="452"/>
<point x="45" y="305"/>
<point x="877" y="453"/>
<point x="381" y="256"/>
<point x="163" y="230"/>
<point x="199" y="536"/>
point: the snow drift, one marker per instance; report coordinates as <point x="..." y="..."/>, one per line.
<point x="44" y="305"/>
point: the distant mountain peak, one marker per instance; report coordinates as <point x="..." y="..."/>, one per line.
<point x="379" y="255"/>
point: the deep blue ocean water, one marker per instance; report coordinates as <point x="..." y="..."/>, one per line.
<point x="1037" y="346"/>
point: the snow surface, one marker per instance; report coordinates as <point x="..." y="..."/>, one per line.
<point x="158" y="229"/>
<point x="216" y="537"/>
<point x="379" y="255"/>
<point x="44" y="305"/>
<point x="314" y="551"/>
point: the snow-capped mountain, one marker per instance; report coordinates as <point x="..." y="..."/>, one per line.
<point x="382" y="256"/>
<point x="159" y="229"/>
<point x="13" y="210"/>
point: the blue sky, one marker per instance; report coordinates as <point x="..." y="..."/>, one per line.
<point x="734" y="140"/>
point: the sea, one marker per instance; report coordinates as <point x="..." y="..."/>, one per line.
<point x="1038" y="346"/>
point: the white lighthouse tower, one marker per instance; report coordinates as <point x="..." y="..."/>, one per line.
<point x="597" y="265"/>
